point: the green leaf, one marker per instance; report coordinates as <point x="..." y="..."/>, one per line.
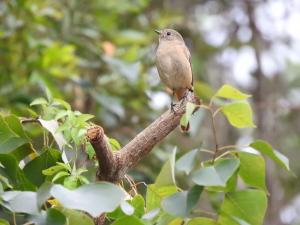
<point x="164" y="219"/>
<point x="52" y="126"/>
<point x="181" y="203"/>
<point x="61" y="114"/>
<point x="1" y="188"/>
<point x="84" y="118"/>
<point x="176" y="221"/>
<point x="128" y="220"/>
<point x="15" y="125"/>
<point x="239" y="114"/>
<point x="216" y="175"/>
<point x="53" y="170"/>
<point x="116" y="214"/>
<point x="166" y="177"/>
<point x="138" y="203"/>
<point x="60" y="175"/>
<point x="155" y="194"/>
<point x="76" y="217"/>
<point x="266" y="149"/>
<point x="61" y="102"/>
<point x="98" y="197"/>
<point x="203" y="90"/>
<point x="33" y="169"/>
<point x="13" y="138"/>
<point x="83" y="180"/>
<point x="227" y="91"/>
<point x="114" y="144"/>
<point x="20" y="201"/>
<point x="175" y="204"/>
<point x="71" y="182"/>
<point x="55" y="217"/>
<point x="67" y="166"/>
<point x="187" y="162"/>
<point x="190" y="107"/>
<point x="193" y="197"/>
<point x="39" y="101"/>
<point x="81" y="170"/>
<point x="90" y="150"/>
<point x="5" y="131"/>
<point x="5" y="181"/>
<point x="230" y="185"/>
<point x="253" y="170"/>
<point x="127" y="208"/>
<point x="4" y="222"/>
<point x="202" y="221"/>
<point x="247" y="205"/>
<point x="43" y="193"/>
<point x="151" y="214"/>
<point x="14" y="174"/>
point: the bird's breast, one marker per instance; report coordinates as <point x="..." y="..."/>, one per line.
<point x="173" y="66"/>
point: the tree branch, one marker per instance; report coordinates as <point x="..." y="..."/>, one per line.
<point x="104" y="153"/>
<point x="24" y="120"/>
<point x="113" y="167"/>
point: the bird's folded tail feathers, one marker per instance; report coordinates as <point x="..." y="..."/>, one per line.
<point x="180" y="93"/>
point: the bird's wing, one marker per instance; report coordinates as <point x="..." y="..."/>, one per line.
<point x="188" y="55"/>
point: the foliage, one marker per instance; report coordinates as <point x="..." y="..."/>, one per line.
<point x="50" y="187"/>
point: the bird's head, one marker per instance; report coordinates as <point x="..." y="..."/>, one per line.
<point x="168" y="35"/>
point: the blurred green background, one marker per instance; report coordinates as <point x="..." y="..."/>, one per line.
<point x="98" y="55"/>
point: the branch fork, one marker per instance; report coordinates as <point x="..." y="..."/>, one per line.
<point x="113" y="166"/>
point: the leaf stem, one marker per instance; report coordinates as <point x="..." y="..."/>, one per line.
<point x="228" y="147"/>
<point x="203" y="106"/>
<point x="211" y="101"/>
<point x="216" y="112"/>
<point x="222" y="155"/>
<point x="207" y="150"/>
<point x="213" y="124"/>
<point x="204" y="212"/>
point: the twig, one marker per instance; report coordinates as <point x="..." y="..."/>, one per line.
<point x="29" y="120"/>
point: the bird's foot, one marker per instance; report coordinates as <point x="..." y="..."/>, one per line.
<point x="185" y="96"/>
<point x="173" y="108"/>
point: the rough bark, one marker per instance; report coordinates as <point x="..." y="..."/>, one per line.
<point x="113" y="166"/>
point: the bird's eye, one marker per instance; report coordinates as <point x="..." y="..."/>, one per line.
<point x="168" y="33"/>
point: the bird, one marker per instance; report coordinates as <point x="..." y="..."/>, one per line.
<point x="173" y="63"/>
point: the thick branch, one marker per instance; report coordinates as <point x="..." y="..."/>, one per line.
<point x="104" y="154"/>
<point x="138" y="147"/>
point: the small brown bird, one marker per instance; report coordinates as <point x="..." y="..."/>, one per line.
<point x="173" y="62"/>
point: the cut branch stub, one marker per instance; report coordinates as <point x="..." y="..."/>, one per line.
<point x="104" y="154"/>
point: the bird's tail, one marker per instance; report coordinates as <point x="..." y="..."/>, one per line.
<point x="180" y="94"/>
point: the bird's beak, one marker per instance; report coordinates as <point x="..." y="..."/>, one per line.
<point x="157" y="31"/>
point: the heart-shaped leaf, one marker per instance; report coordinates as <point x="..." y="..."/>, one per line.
<point x="229" y="92"/>
<point x="239" y="114"/>
<point x="266" y="149"/>
<point x="93" y="198"/>
<point x="216" y="175"/>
